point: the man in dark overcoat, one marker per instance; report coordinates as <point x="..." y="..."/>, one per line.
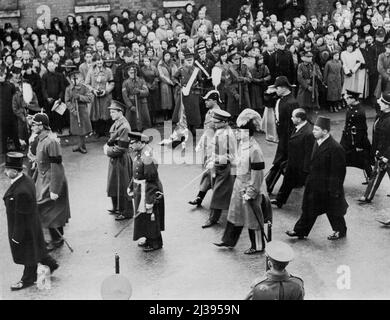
<point x="380" y="148"/>
<point x="24" y="227"/>
<point x="355" y="138"/>
<point x="283" y="111"/>
<point x="50" y="181"/>
<point x="300" y="147"/>
<point x="324" y="190"/>
<point x="281" y="62"/>
<point x="120" y="165"/>
<point x="147" y="190"/>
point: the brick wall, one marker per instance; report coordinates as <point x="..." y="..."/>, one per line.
<point x="61" y="8"/>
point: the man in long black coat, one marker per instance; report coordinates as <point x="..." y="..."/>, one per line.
<point x="284" y="126"/>
<point x="24" y="227"/>
<point x="355" y="138"/>
<point x="281" y="62"/>
<point x="8" y="121"/>
<point x="324" y="190"/>
<point x="300" y="147"/>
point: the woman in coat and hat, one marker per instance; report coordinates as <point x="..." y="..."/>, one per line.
<point x="166" y="70"/>
<point x="77" y="98"/>
<point x="50" y="181"/>
<point x="24" y="227"/>
<point x="245" y="203"/>
<point x="333" y="79"/>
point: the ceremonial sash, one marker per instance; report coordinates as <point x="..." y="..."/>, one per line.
<point x="186" y="90"/>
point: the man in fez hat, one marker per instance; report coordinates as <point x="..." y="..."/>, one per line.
<point x="324" y="190"/>
<point x="120" y="164"/>
<point x="24" y="227"/>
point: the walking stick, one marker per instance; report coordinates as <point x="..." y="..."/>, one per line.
<point x="62" y="238"/>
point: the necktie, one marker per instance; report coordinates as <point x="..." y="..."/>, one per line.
<point x="315" y="148"/>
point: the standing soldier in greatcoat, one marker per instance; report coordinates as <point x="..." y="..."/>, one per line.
<point x="50" y="181"/>
<point x="324" y="188"/>
<point x="355" y="138"/>
<point x="24" y="228"/>
<point x="135" y="94"/>
<point x="147" y="190"/>
<point x="77" y="98"/>
<point x="220" y="165"/>
<point x="380" y="148"/>
<point x="120" y="165"/>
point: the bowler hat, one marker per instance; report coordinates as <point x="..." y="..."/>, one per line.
<point x="323" y="123"/>
<point x="14" y="160"/>
<point x="279" y="251"/>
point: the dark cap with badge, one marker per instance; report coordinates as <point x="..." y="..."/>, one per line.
<point x="355" y="95"/>
<point x="221" y="115"/>
<point x="14" y="160"/>
<point x="138" y="137"/>
<point x="385" y="98"/>
<point x="41" y="119"/>
<point x="187" y="54"/>
<point x="323" y="123"/>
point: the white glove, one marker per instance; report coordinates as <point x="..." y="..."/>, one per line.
<point x="210" y="165"/>
<point x="53" y="196"/>
<point x="246" y="197"/>
<point x="105" y="148"/>
<point x="385" y="160"/>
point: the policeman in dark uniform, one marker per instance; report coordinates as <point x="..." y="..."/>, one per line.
<point x="277" y="283"/>
<point x="355" y="138"/>
<point x="380" y="148"/>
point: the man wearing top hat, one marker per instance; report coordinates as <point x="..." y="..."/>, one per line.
<point x="77" y="98"/>
<point x="147" y="191"/>
<point x="324" y="188"/>
<point x="190" y="100"/>
<point x="281" y="62"/>
<point x="120" y="163"/>
<point x="283" y="111"/>
<point x="355" y="138"/>
<point x="50" y="181"/>
<point x="380" y="148"/>
<point x="277" y="283"/>
<point x="205" y="144"/>
<point x="220" y="165"/>
<point x="24" y="227"/>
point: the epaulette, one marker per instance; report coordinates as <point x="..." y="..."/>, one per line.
<point x="296" y="277"/>
<point x="258" y="280"/>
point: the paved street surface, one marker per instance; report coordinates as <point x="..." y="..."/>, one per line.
<point x="190" y="266"/>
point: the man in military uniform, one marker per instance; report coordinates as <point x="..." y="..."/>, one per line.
<point x="189" y="77"/>
<point x="120" y="165"/>
<point x="50" y="181"/>
<point x="355" y="138"/>
<point x="277" y="283"/>
<point x="147" y="190"/>
<point x="24" y="228"/>
<point x="324" y="187"/>
<point x="220" y="166"/>
<point x="380" y="148"/>
<point x="205" y="143"/>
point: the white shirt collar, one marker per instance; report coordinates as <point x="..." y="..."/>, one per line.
<point x="320" y="141"/>
<point x="299" y="126"/>
<point x="17" y="178"/>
